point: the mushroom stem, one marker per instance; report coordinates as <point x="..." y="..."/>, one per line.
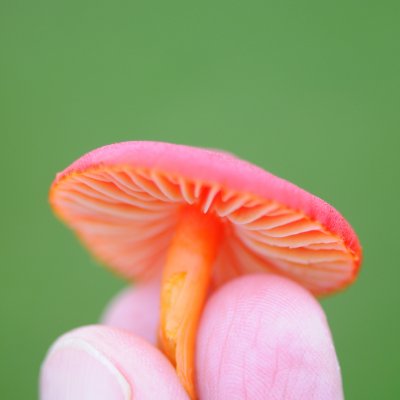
<point x="185" y="284"/>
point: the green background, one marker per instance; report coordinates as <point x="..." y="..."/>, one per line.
<point x="307" y="89"/>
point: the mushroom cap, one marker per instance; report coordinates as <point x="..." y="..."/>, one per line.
<point x="123" y="202"/>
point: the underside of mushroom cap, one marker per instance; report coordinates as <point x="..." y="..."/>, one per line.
<point x="123" y="201"/>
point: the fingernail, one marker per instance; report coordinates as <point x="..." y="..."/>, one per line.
<point x="75" y="370"/>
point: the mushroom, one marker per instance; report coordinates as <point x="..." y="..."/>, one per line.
<point x="199" y="218"/>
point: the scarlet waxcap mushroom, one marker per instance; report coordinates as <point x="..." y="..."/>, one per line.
<point x="199" y="217"/>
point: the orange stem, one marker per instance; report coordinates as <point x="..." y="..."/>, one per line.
<point x="185" y="285"/>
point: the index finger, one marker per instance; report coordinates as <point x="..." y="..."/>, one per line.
<point x="265" y="337"/>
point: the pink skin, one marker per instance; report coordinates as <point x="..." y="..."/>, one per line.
<point x="260" y="337"/>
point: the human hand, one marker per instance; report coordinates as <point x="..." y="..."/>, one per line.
<point x="260" y="337"/>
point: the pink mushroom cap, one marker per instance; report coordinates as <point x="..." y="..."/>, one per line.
<point x="122" y="200"/>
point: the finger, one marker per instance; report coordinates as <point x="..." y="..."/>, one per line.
<point x="264" y="337"/>
<point x="136" y="310"/>
<point x="99" y="362"/>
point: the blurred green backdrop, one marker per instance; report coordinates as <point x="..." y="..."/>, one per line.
<point x="308" y="90"/>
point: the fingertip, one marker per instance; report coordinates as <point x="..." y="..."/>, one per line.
<point x="136" y="310"/>
<point x="265" y="337"/>
<point x="98" y="362"/>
